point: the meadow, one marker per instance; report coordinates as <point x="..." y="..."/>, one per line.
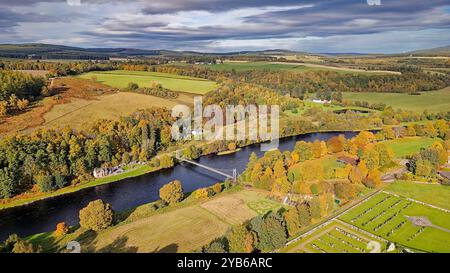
<point x="185" y="227"/>
<point x="434" y="194"/>
<point x="121" y="79"/>
<point x="406" y="146"/>
<point x="386" y="215"/>
<point x="79" y="112"/>
<point x="432" y="101"/>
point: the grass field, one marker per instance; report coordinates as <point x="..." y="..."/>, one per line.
<point x="334" y="237"/>
<point x="436" y="194"/>
<point x="386" y="215"/>
<point x="181" y="229"/>
<point x="121" y="79"/>
<point x="409" y="145"/>
<point x="433" y="101"/>
<point x="80" y="112"/>
<point x="278" y="66"/>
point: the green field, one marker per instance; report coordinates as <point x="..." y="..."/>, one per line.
<point x="435" y="194"/>
<point x="385" y="215"/>
<point x="246" y="66"/>
<point x="121" y="79"/>
<point x="433" y="101"/>
<point x="409" y="145"/>
<point x="334" y="237"/>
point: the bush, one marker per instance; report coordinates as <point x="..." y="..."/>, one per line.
<point x="172" y="192"/>
<point x="96" y="216"/>
<point x="23" y="246"/>
<point x="132" y="86"/>
<point x="217" y="188"/>
<point x="202" y="193"/>
<point x="61" y="229"/>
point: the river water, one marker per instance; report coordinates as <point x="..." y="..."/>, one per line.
<point x="42" y="216"/>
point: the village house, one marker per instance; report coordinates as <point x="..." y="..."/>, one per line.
<point x="103" y="172"/>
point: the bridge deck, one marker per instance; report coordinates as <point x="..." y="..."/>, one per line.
<point x="206" y="167"/>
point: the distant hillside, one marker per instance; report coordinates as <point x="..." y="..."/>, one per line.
<point x="438" y="51"/>
<point x="45" y="51"/>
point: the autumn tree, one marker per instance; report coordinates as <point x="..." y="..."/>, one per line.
<point x="304" y="214"/>
<point x="371" y="158"/>
<point x="172" y="192"/>
<point x="304" y="150"/>
<point x="96" y="215"/>
<point x="336" y="144"/>
<point x="241" y="240"/>
<point x="345" y="191"/>
<point x="373" y="179"/>
<point x="270" y="231"/>
<point x="291" y="217"/>
<point x="279" y="171"/>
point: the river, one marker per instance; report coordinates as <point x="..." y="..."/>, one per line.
<point x="42" y="216"/>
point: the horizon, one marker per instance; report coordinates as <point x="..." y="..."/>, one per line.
<point x="219" y="26"/>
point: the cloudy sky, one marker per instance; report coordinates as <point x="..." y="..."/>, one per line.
<point x="227" y="25"/>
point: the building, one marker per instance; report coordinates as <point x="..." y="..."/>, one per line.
<point x="103" y="172"/>
<point x="321" y="101"/>
<point x="348" y="160"/>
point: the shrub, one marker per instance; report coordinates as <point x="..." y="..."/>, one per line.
<point x="172" y="192"/>
<point x="217" y="188"/>
<point x="23" y="246"/>
<point x="202" y="193"/>
<point x="61" y="229"/>
<point x="216" y="246"/>
<point x="96" y="215"/>
<point x="132" y="86"/>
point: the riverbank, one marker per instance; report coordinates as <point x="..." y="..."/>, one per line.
<point x="141" y="170"/>
<point x="145" y="169"/>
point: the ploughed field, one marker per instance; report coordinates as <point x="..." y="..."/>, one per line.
<point x="121" y="79"/>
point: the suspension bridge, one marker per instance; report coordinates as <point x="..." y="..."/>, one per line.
<point x="214" y="170"/>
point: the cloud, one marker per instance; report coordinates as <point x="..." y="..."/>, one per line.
<point x="221" y="24"/>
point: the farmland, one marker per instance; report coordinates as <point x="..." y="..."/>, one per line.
<point x="387" y="216"/>
<point x="433" y="101"/>
<point x="409" y="145"/>
<point x="79" y="112"/>
<point x="121" y="79"/>
<point x="280" y="66"/>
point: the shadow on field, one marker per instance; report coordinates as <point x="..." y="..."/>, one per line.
<point x="119" y="245"/>
<point x="172" y="248"/>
